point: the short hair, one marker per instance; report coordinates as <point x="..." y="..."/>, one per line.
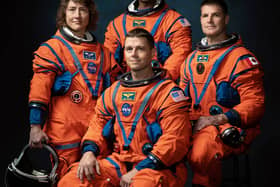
<point x="139" y="32"/>
<point x="93" y="14"/>
<point x="220" y="3"/>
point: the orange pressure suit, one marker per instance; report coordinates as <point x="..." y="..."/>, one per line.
<point x="149" y="121"/>
<point x="171" y="32"/>
<point x="68" y="77"/>
<point x="223" y="78"/>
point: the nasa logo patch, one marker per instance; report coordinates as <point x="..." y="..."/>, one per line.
<point x="92" y="68"/>
<point x="126" y="109"/>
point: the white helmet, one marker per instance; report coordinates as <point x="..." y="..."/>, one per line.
<point x="26" y="170"/>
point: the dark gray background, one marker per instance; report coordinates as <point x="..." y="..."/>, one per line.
<point x="28" y="23"/>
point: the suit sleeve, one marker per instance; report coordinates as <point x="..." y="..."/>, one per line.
<point x="248" y="79"/>
<point x="174" y="142"/>
<point x="93" y="140"/>
<point x="181" y="45"/>
<point x="45" y="67"/>
<point x="113" y="43"/>
<point x="184" y="79"/>
<point x="112" y="70"/>
<point x="111" y="38"/>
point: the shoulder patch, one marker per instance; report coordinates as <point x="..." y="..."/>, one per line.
<point x="184" y="22"/>
<point x="177" y="95"/>
<point x="252" y="61"/>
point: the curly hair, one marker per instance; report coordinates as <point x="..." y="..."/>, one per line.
<point x="61" y="20"/>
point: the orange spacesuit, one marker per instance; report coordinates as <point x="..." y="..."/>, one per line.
<point x="171" y="31"/>
<point x="149" y="120"/>
<point x="227" y="79"/>
<point x="68" y="77"/>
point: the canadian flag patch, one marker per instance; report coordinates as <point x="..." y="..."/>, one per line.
<point x="178" y="95"/>
<point x="252" y="61"/>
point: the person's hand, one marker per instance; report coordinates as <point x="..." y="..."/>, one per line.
<point x="204" y="121"/>
<point x="37" y="136"/>
<point x="86" y="166"/>
<point x="126" y="179"/>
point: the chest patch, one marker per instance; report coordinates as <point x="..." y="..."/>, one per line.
<point x="128" y="96"/>
<point x="92" y="68"/>
<point x="200" y="68"/>
<point x="126" y="109"/>
<point x="76" y="96"/>
<point x="89" y="55"/>
<point x="139" y="23"/>
<point x="202" y="58"/>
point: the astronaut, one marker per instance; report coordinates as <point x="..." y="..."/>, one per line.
<point x="146" y="114"/>
<point x="171" y="31"/>
<point x="71" y="70"/>
<point x="224" y="82"/>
